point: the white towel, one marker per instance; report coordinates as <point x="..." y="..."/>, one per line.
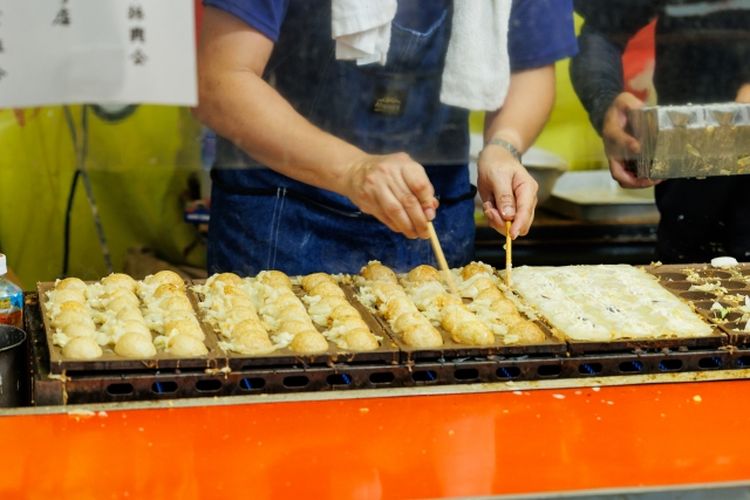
<point x="477" y="69"/>
<point x="362" y="29"/>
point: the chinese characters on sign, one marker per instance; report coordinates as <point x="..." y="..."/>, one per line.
<point x="97" y="51"/>
<point x="137" y="34"/>
<point x="63" y="15"/>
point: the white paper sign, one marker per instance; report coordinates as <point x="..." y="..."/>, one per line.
<point x="97" y="51"/>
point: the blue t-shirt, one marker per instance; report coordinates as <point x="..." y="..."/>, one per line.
<point x="540" y="32"/>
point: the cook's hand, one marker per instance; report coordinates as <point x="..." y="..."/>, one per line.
<point x="743" y="95"/>
<point x="507" y="190"/>
<point x="395" y="189"/>
<point x="619" y="145"/>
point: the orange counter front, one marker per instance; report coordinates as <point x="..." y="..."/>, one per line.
<point x="385" y="444"/>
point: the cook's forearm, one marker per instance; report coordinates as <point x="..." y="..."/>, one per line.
<point x="531" y="96"/>
<point x="596" y="74"/>
<point x="242" y="107"/>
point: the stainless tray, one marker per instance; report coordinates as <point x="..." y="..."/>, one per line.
<point x="593" y="196"/>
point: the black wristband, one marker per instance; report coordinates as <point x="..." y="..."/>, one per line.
<point x="496" y="141"/>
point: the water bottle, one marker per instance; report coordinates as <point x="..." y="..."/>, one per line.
<point x="11" y="298"/>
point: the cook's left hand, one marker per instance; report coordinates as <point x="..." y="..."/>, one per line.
<point x="507" y="190"/>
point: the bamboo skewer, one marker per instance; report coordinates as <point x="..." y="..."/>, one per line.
<point x="508" y="253"/>
<point x="441" y="258"/>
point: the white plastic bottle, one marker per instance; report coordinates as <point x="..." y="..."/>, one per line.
<point x="11" y="298"/>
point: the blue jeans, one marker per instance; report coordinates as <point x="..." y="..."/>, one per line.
<point x="284" y="231"/>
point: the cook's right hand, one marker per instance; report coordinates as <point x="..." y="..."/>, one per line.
<point x="394" y="189"/>
<point x="619" y="145"/>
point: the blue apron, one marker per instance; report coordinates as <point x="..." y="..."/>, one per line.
<point x="263" y="220"/>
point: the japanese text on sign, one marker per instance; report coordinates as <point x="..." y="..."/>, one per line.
<point x="73" y="51"/>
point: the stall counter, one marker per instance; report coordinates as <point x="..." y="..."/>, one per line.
<point x="480" y="439"/>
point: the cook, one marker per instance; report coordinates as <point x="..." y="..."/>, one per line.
<point x="702" y="56"/>
<point x="324" y="164"/>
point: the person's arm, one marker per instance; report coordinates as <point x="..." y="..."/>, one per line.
<point x="743" y="95"/>
<point x="539" y="34"/>
<point x="505" y="186"/>
<point x="238" y="104"/>
<point x="597" y="76"/>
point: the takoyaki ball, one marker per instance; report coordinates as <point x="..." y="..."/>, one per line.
<point x="295" y="327"/>
<point x="252" y="342"/>
<point x="446" y="299"/>
<point x="237" y="316"/>
<point x="136" y="327"/>
<point x="490" y="295"/>
<point x="409" y="321"/>
<point x="473" y="333"/>
<point x="164" y="277"/>
<point x="308" y="342"/>
<point x="67" y="318"/>
<point x="295" y="312"/>
<point x="72" y="284"/>
<point x="423" y="273"/>
<point x="248" y="325"/>
<point x="134" y="345"/>
<point x="345" y="311"/>
<point x="375" y="271"/>
<point x="72" y="305"/>
<point x="475" y="268"/>
<point x="325" y="306"/>
<point x="360" y="339"/>
<point x="74" y="330"/>
<point x="186" y="345"/>
<point x="312" y="280"/>
<point x="503" y="306"/>
<point x="511" y="319"/>
<point x="528" y="332"/>
<point x="82" y="348"/>
<point x="327" y="290"/>
<point x="178" y="315"/>
<point x="454" y="316"/>
<point x="241" y="301"/>
<point x="275" y="279"/>
<point x="286" y="300"/>
<point x="383" y="290"/>
<point x="350" y="324"/>
<point x="129" y="313"/>
<point x="118" y="280"/>
<point x="124" y="301"/>
<point x="67" y="295"/>
<point x="223" y="279"/>
<point x="422" y="335"/>
<point x="167" y="290"/>
<point x="177" y="303"/>
<point x="185" y="326"/>
<point x="483" y="283"/>
<point x="397" y="306"/>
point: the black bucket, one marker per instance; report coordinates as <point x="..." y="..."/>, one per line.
<point x="13" y="370"/>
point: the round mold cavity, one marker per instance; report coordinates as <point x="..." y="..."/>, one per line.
<point x="736" y="326"/>
<point x="733" y="285"/>
<point x="671" y="276"/>
<point x="715" y="273"/>
<point x="733" y="317"/>
<point x="697" y="296"/>
<point x="703" y="305"/>
<point x="678" y="285"/>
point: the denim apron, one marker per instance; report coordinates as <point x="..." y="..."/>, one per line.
<point x="263" y="220"/>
